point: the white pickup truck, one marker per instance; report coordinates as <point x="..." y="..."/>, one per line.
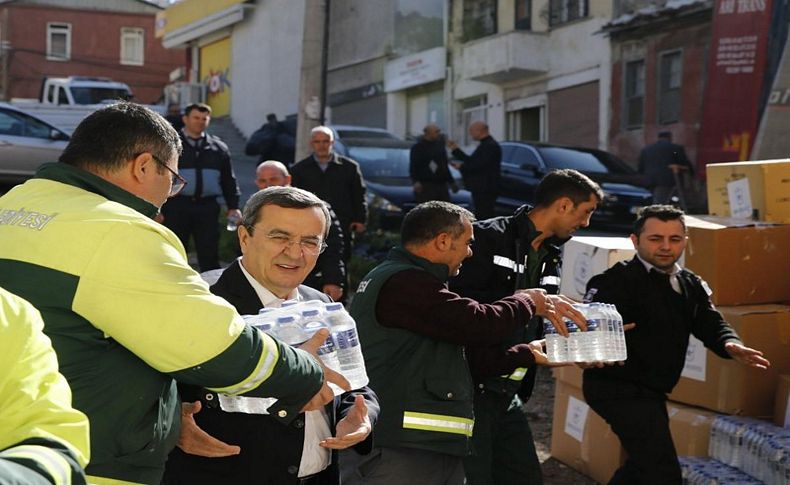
<point x="65" y="101"/>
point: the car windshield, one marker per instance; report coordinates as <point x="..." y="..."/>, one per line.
<point x="98" y="95"/>
<point x="380" y="162"/>
<point x="559" y="158"/>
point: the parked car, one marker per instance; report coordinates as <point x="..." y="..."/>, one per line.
<point x="26" y="142"/>
<point x="524" y="164"/>
<point x="384" y="162"/>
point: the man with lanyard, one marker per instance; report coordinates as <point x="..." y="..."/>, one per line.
<point x="511" y="253"/>
<point x="205" y="164"/>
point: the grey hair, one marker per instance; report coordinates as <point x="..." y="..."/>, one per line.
<point x="323" y="129"/>
<point x="287" y="197"/>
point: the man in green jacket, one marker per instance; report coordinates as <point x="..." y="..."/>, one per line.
<point x="126" y="314"/>
<point x="43" y="440"/>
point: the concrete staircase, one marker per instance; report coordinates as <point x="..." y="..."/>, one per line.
<point x="243" y="165"/>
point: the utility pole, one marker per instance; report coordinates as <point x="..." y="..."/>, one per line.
<point x="312" y="80"/>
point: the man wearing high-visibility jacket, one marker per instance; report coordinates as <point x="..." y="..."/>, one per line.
<point x="413" y="331"/>
<point x="43" y="440"/>
<point x="126" y="314"/>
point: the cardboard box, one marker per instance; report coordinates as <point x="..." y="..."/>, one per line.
<point x="782" y="403"/>
<point x="742" y="262"/>
<point x="726" y="386"/>
<point x="569" y="374"/>
<point x="584" y="257"/>
<point x="690" y="428"/>
<point x="768" y="188"/>
<point x="580" y="438"/>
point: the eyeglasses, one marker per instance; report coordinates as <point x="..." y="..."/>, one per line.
<point x="177" y="183"/>
<point x="311" y="246"/>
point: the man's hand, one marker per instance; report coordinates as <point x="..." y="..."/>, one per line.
<point x="159" y="217"/>
<point x="325" y="394"/>
<point x="456" y="165"/>
<point x="747" y="356"/>
<point x="335" y="292"/>
<point x="195" y="441"/>
<point x="555" y="308"/>
<point x="417" y="187"/>
<point x="234" y="214"/>
<point x="352" y="429"/>
<point x="357" y="227"/>
<point x="452" y="145"/>
<point x="675" y="168"/>
<point x="564" y="306"/>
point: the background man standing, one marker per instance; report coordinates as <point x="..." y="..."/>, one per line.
<point x="667" y="303"/>
<point x="428" y="168"/>
<point x="334" y="179"/>
<point x="205" y="164"/>
<point x="511" y="253"/>
<point x="281" y="237"/>
<point x="480" y="170"/>
<point x="660" y="163"/>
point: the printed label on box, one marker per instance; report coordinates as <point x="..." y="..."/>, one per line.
<point x="576" y="418"/>
<point x="740" y="199"/>
<point x="696" y="358"/>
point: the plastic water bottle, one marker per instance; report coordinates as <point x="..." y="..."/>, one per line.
<point x="575" y="342"/>
<point x="621" y="352"/>
<point x="311" y="323"/>
<point x="233" y="222"/>
<point x="288" y="328"/>
<point x="556" y="347"/>
<point x="349" y="350"/>
<point x="595" y="340"/>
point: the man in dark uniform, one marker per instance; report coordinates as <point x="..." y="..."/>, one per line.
<point x="667" y="303"/>
<point x="659" y="163"/>
<point x="511" y="253"/>
<point x="205" y="164"/>
<point x="480" y="170"/>
<point x="428" y="168"/>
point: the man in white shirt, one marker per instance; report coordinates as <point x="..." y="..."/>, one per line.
<point x="282" y="233"/>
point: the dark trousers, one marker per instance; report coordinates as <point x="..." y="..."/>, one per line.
<point x="638" y="416"/>
<point x="400" y="466"/>
<point x="503" y="448"/>
<point x="432" y="191"/>
<point x="197" y="218"/>
<point x="484" y="204"/>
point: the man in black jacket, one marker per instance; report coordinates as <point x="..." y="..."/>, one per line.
<point x="329" y="274"/>
<point x="205" y="164"/>
<point x="480" y="170"/>
<point x="281" y="236"/>
<point x="428" y="168"/>
<point x="334" y="179"/>
<point x="659" y="163"/>
<point x="511" y="253"/>
<point x="667" y="303"/>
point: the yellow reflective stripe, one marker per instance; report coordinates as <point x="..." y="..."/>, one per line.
<point x="53" y="462"/>
<point x="516" y="375"/>
<point x="263" y="370"/>
<point x="92" y="480"/>
<point x="438" y="422"/>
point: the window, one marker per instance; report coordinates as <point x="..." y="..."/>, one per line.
<point x="18" y="124"/>
<point x="523" y="15"/>
<point x="132" y="46"/>
<point x="479" y="18"/>
<point x="670" y="78"/>
<point x="634" y="93"/>
<point x="564" y="11"/>
<point x="472" y="110"/>
<point x="58" y="42"/>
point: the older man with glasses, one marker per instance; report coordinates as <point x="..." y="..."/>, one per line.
<point x="282" y="233"/>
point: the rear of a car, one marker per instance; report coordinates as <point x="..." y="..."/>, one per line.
<point x="26" y="142"/>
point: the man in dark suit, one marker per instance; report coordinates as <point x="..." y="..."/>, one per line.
<point x="659" y="163"/>
<point x="282" y="233"/>
<point x="480" y="170"/>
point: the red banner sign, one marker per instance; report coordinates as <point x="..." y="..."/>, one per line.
<point x="736" y="70"/>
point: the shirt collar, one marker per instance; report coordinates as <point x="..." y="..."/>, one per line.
<point x="675" y="269"/>
<point x="332" y="158"/>
<point x="268" y="299"/>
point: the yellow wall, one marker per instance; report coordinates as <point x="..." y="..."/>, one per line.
<point x="188" y="11"/>
<point x="215" y="74"/>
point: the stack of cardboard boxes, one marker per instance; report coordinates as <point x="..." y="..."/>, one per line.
<point x="747" y="265"/>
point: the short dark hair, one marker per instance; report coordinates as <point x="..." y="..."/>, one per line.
<point x="662" y="212"/>
<point x="287" y="197"/>
<point x="665" y="134"/>
<point x="112" y="136"/>
<point x="429" y="219"/>
<point x="202" y="107"/>
<point x="566" y="183"/>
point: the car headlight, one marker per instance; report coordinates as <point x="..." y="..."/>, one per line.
<point x="379" y="203"/>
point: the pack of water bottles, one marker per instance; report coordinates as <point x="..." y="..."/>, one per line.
<point x="604" y="340"/>
<point x="707" y="471"/>
<point x="296" y="321"/>
<point x="756" y="447"/>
